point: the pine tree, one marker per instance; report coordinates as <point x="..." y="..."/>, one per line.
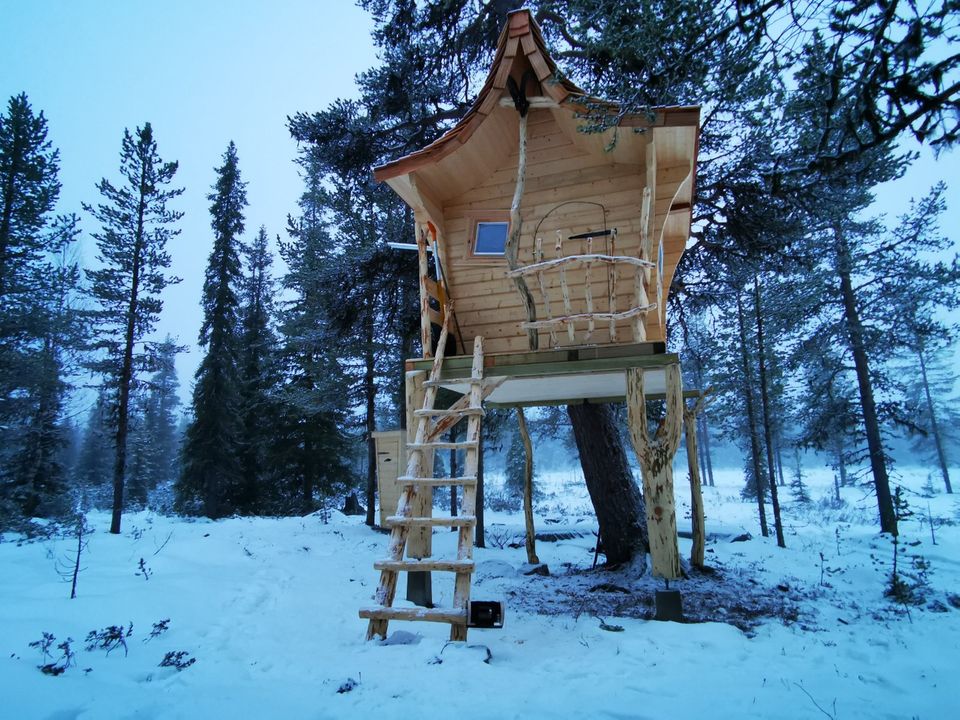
<point x="29" y="189"/>
<point x="93" y="467"/>
<point x="135" y="227"/>
<point x="211" y="466"/>
<point x="799" y="488"/>
<point x="138" y="453"/>
<point x="930" y="397"/>
<point x="369" y="284"/>
<point x="310" y="451"/>
<point x="39" y="329"/>
<point x="37" y="476"/>
<point x="155" y="439"/>
<point x="259" y="373"/>
<point x="514" y="472"/>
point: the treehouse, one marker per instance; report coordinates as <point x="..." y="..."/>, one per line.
<point x="549" y="225"/>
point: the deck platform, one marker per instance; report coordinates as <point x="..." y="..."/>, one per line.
<point x="564" y="376"/>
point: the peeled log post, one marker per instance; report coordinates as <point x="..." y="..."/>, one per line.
<point x="512" y="249"/>
<point x="656" y="466"/>
<point x="420" y="500"/>
<point x="696" y="496"/>
<point x="528" y="488"/>
<point x="426" y="337"/>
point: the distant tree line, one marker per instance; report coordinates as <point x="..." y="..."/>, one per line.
<point x="818" y="326"/>
<point x="267" y="431"/>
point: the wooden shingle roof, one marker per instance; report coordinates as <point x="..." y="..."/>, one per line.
<point x="522" y="37"/>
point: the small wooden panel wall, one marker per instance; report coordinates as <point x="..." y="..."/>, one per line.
<point x="487" y="303"/>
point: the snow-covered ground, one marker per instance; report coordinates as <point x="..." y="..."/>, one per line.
<point x="268" y="608"/>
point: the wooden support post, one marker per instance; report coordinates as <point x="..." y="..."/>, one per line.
<point x="528" y="488"/>
<point x="642" y="277"/>
<point x="661" y="311"/>
<point x="461" y="592"/>
<point x="645" y="249"/>
<point x="512" y="249"/>
<point x="696" y="495"/>
<point x="426" y="336"/>
<point x="656" y="466"/>
<point x="588" y="290"/>
<point x="612" y="286"/>
<point x="420" y="538"/>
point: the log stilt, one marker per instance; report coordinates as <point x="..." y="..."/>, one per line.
<point x="528" y="488"/>
<point x="656" y="466"/>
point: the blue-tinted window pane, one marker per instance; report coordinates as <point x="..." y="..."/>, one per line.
<point x="491" y="238"/>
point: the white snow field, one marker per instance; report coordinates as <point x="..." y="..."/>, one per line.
<point x="268" y="608"/>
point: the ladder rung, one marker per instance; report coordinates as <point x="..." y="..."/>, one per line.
<point x="457" y="566"/>
<point x="442" y="445"/>
<point x="432" y="521"/>
<point x="447" y="413"/>
<point x="447" y="615"/>
<point x="438" y="482"/>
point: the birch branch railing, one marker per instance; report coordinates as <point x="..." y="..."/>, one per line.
<point x="591" y="316"/>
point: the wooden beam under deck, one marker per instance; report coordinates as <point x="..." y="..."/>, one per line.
<point x="564" y="376"/>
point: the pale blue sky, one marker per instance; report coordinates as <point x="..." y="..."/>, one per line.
<point x="207" y="72"/>
<point x="203" y="73"/>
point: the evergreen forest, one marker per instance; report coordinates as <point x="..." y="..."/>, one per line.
<point x="821" y="326"/>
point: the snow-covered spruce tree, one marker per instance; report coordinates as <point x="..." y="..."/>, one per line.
<point x="154" y="439"/>
<point x="135" y="225"/>
<point x="161" y="417"/>
<point x="310" y="449"/>
<point x="92" y="471"/>
<point x="259" y="374"/>
<point x="53" y="337"/>
<point x="39" y="329"/>
<point x="514" y="472"/>
<point x="210" y="478"/>
<point x="372" y="311"/>
<point x="138" y="453"/>
<point x="797" y="485"/>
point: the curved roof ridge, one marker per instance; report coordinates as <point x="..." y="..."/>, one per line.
<point x="520" y="35"/>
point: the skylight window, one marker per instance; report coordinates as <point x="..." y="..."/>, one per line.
<point x="491" y="238"/>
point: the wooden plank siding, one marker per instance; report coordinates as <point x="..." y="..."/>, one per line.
<point x="486" y="302"/>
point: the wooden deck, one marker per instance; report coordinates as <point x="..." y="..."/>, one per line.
<point x="559" y="377"/>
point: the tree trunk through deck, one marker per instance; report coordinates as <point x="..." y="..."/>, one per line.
<point x="615" y="496"/>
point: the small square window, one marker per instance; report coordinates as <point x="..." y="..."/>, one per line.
<point x="491" y="238"/>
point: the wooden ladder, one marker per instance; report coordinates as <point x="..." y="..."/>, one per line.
<point x="431" y="423"/>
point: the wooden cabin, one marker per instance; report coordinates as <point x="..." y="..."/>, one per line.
<point x="557" y="248"/>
